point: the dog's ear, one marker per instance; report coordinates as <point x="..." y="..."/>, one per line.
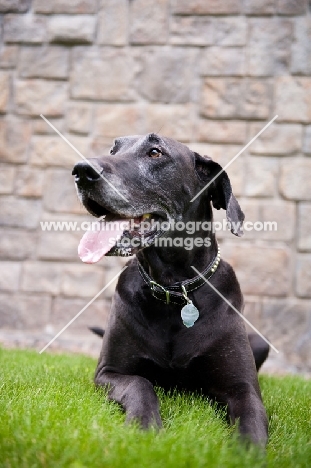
<point x="220" y="191"/>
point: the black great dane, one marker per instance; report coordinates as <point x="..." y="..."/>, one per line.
<point x="168" y="326"/>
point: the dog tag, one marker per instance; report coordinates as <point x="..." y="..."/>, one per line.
<point x="189" y="314"/>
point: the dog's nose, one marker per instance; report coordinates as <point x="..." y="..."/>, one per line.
<point x="83" y="171"/>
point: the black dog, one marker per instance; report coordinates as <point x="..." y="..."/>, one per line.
<point x="152" y="338"/>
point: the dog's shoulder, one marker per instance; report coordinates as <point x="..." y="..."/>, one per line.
<point x="226" y="282"/>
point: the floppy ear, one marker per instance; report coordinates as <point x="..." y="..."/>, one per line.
<point x="220" y="191"/>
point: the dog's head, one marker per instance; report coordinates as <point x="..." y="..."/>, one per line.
<point x="149" y="180"/>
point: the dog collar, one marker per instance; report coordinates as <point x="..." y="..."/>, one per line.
<point x="177" y="293"/>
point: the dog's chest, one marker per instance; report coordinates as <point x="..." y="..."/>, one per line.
<point x="170" y="344"/>
<point x="168" y="360"/>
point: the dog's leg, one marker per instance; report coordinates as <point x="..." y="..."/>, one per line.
<point x="260" y="349"/>
<point x="246" y="408"/>
<point x="135" y="394"/>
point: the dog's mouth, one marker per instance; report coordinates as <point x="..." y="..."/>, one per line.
<point x="118" y="234"/>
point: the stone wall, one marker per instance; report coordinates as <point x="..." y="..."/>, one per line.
<point x="208" y="73"/>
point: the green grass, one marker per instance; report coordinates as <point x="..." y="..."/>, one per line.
<point x="52" y="416"/>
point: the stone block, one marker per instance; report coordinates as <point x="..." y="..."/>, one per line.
<point x="302" y="348"/>
<point x="230" y="31"/>
<point x="41" y="277"/>
<point x="307" y="140"/>
<point x="253" y="225"/>
<point x="236" y="98"/>
<point x="283" y="214"/>
<point x="202" y="7"/>
<point x="14" y="139"/>
<point x="257" y="99"/>
<point x="284" y="322"/>
<point x="304" y="226"/>
<point x="222" y="61"/>
<point x="24" y="28"/>
<point x="106" y="73"/>
<point x="72" y="29"/>
<point x="54" y="151"/>
<point x="288" y="324"/>
<point x="293" y="183"/>
<point x="59" y="245"/>
<point x="4" y="91"/>
<point x="14" y="6"/>
<point x="64" y="309"/>
<point x="303" y="275"/>
<point x="60" y="194"/>
<point x="43" y="62"/>
<point x="222" y="131"/>
<point x="292" y="7"/>
<point x="40" y="127"/>
<point x="8" y="56"/>
<point x="10" y="276"/>
<point x="19" y="212"/>
<point x="79" y="117"/>
<point x="277" y="139"/>
<point x="7" y="178"/>
<point x="261" y="177"/>
<point x="113" y="120"/>
<point x="23" y="311"/>
<point x="17" y="244"/>
<point x="259" y="7"/>
<point x="173" y="80"/>
<point x="35" y="97"/>
<point x="301" y="46"/>
<point x="191" y="30"/>
<point x="29" y="182"/>
<point x="260" y="270"/>
<point x="82" y="280"/>
<point x="75" y="219"/>
<point x="59" y="6"/>
<point x="174" y="121"/>
<point x="61" y="219"/>
<point x="148" y="21"/>
<point x="269" y="46"/>
<point x="112" y="13"/>
<point x="293" y="98"/>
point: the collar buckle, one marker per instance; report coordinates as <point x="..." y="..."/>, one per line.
<point x="154" y="285"/>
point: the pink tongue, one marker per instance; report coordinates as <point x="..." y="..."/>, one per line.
<point x="95" y="244"/>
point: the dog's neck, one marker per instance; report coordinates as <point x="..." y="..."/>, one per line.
<point x="169" y="265"/>
<point x="172" y="265"/>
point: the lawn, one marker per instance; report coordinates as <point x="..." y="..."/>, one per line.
<point x="53" y="416"/>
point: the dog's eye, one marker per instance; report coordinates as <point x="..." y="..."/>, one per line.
<point x="155" y="153"/>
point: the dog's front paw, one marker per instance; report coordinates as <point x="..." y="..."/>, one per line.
<point x="146" y="420"/>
